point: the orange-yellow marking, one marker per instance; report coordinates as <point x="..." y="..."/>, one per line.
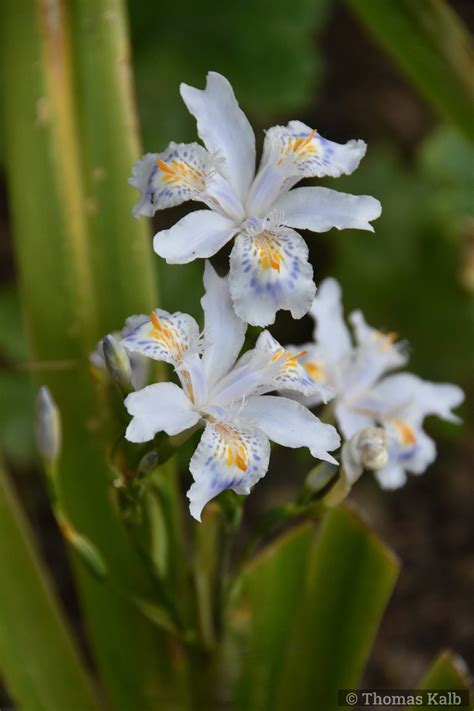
<point x="315" y="370"/>
<point x="233" y="451"/>
<point x="176" y="172"/>
<point x="269" y="254"/>
<point x="290" y="359"/>
<point x="300" y="146"/>
<point x="406" y="433"/>
<point x="187" y="383"/>
<point x="166" y="335"/>
<point x="386" y="340"/>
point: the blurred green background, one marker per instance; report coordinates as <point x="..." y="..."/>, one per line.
<point x="326" y="62"/>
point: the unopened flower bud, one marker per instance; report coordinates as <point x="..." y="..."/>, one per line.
<point x="372" y="443"/>
<point x="320" y="476"/>
<point x="367" y="449"/>
<point x="118" y="363"/>
<point x="148" y="463"/>
<point x="48" y="427"/>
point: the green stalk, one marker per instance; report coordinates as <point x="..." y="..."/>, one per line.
<point x="61" y="293"/>
<point x="39" y="659"/>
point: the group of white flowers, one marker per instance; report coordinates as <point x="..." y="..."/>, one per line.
<point x="227" y="392"/>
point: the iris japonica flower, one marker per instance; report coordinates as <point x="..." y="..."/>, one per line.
<point x="225" y="394"/>
<point x="269" y="268"/>
<point x="365" y="395"/>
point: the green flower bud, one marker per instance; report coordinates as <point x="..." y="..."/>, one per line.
<point x="118" y="363"/>
<point x="48" y="427"/>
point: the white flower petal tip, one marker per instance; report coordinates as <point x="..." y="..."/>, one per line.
<point x="270" y="271"/>
<point x="141" y="179"/>
<point x="198" y="235"/>
<point x="290" y="424"/>
<point x="391" y="477"/>
<point x="224" y="129"/>
<point x="321" y="209"/>
<point x="312" y="154"/>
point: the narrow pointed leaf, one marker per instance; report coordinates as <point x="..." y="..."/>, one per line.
<point x="448" y="671"/>
<point x="60" y="292"/>
<point x="38" y="658"/>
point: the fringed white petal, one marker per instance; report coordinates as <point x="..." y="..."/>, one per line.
<point x="313" y="156"/>
<point x="165" y="337"/>
<point x="376" y="354"/>
<point x="227" y="457"/>
<point x="270" y="271"/>
<point x="170" y="178"/>
<point x="414" y="398"/>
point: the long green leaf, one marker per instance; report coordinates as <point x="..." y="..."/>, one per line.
<point x="262" y="618"/>
<point x="448" y="671"/>
<point x="431" y="44"/>
<point x="350" y="577"/>
<point x="122" y="260"/>
<point x="60" y="293"/>
<point x="41" y="665"/>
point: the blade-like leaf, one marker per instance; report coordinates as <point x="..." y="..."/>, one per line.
<point x="431" y="44"/>
<point x="350" y="576"/>
<point x="448" y="671"/>
<point x="60" y="292"/>
<point x="38" y="658"/>
<point x="262" y="619"/>
<point x="121" y="256"/>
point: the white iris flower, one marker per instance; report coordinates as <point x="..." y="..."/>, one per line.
<point x="225" y="394"/>
<point x="365" y="395"/>
<point x="269" y="268"/>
